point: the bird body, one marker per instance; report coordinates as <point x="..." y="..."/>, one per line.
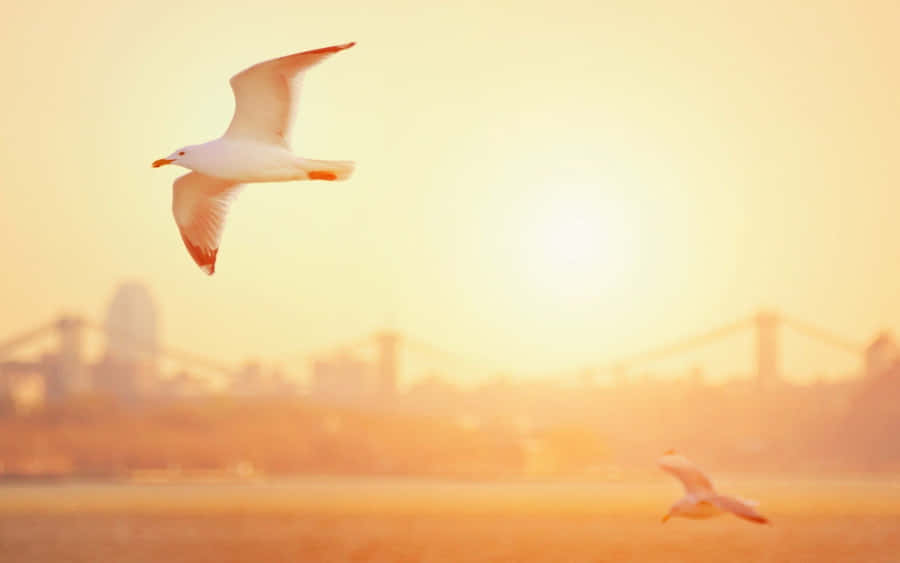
<point x="254" y="149"/>
<point x="694" y="506"/>
<point x="701" y="500"/>
<point x="248" y="161"/>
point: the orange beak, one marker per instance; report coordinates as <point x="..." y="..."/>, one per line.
<point x="162" y="162"/>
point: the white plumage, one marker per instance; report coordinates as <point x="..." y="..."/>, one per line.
<point x="253" y="149"/>
<point x="701" y="499"/>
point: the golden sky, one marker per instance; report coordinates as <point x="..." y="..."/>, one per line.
<point x="539" y="184"/>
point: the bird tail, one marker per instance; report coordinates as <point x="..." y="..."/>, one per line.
<point x="326" y="169"/>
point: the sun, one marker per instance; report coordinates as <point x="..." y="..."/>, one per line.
<point x="579" y="248"/>
<point x="572" y="242"/>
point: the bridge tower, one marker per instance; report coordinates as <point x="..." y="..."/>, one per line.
<point x="388" y="343"/>
<point x="767" y="352"/>
<point x="64" y="371"/>
<point x="71" y="341"/>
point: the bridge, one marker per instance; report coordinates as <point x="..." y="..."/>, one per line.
<point x="64" y="365"/>
<point x="766" y="326"/>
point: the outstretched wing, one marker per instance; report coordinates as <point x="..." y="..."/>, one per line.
<point x="265" y="95"/>
<point x="200" y="204"/>
<point x="695" y="482"/>
<point x="738" y="508"/>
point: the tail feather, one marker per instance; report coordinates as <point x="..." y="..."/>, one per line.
<point x="327" y="169"/>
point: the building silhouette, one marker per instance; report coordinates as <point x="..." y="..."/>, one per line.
<point x="341" y="378"/>
<point x="129" y="367"/>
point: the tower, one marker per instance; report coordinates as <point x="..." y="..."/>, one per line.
<point x="70" y="331"/>
<point x="388" y="343"/>
<point x="129" y="366"/>
<point x="880" y="355"/>
<point x="766" y="328"/>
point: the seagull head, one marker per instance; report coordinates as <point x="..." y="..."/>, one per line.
<point x="177" y="157"/>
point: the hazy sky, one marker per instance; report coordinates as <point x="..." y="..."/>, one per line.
<point x="539" y="184"/>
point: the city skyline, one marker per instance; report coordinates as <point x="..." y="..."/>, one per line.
<point x="578" y="234"/>
<point x="131" y="335"/>
<point x="555" y="216"/>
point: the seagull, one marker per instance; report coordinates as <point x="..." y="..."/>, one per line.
<point x="253" y="149"/>
<point x="701" y="500"/>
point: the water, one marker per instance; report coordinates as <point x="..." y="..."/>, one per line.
<point x="336" y="519"/>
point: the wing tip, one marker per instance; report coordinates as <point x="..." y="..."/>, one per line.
<point x="330" y="49"/>
<point x="205" y="259"/>
<point x="759" y="519"/>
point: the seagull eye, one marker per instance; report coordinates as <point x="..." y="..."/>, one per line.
<point x="181" y="153"/>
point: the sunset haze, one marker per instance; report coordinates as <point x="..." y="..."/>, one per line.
<point x="539" y="187"/>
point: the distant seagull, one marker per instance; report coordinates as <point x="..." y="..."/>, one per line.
<point x="253" y="149"/>
<point x="701" y="500"/>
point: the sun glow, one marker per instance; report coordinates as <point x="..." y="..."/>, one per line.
<point x="579" y="248"/>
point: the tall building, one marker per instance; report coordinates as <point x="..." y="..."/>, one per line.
<point x="131" y="325"/>
<point x="129" y="367"/>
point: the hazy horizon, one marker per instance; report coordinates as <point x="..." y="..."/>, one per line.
<point x="537" y="187"/>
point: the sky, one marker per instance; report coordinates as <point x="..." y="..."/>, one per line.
<point x="539" y="185"/>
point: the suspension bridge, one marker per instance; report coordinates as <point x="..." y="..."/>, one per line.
<point x="63" y="363"/>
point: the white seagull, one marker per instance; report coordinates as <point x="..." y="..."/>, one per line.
<point x="253" y="149"/>
<point x="701" y="500"/>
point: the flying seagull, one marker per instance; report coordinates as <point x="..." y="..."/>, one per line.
<point x="701" y="500"/>
<point x="253" y="149"/>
